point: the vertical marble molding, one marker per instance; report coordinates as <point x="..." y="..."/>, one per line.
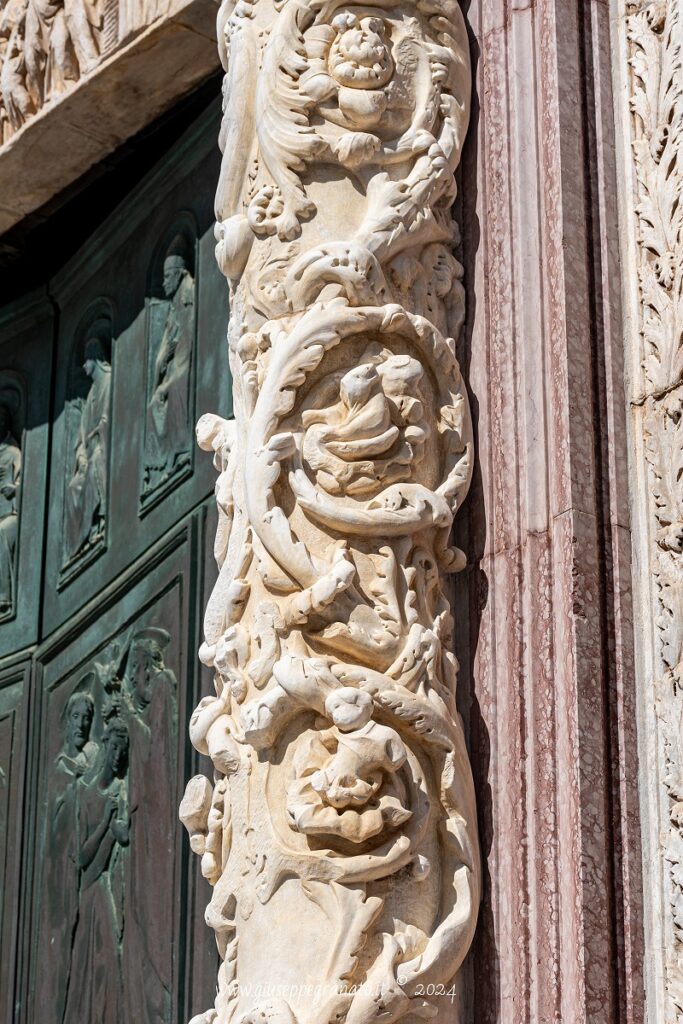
<point x="550" y="667"/>
<point x="649" y="66"/>
<point x="339" y="832"/>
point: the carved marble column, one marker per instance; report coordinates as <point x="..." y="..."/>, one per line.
<point x="340" y="832"/>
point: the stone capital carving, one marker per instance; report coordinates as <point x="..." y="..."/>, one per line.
<point x="340" y="831"/>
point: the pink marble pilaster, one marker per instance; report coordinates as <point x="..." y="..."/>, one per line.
<point x="551" y="719"/>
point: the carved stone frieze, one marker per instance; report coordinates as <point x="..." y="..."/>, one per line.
<point x="654" y="32"/>
<point x="340" y="832"/>
<point x="47" y="46"/>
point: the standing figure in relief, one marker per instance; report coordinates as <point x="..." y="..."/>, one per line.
<point x="63" y="43"/>
<point x="102" y="825"/>
<point x="134" y="15"/>
<point x="150" y="710"/>
<point x="84" y="20"/>
<point x="86" y="491"/>
<point x="6" y="27"/>
<point x="10" y="483"/>
<point x="167" y="444"/>
<point x="50" y="57"/>
<point x="17" y="99"/>
<point x="77" y="757"/>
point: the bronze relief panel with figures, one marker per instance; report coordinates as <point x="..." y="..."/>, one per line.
<point x="87" y="436"/>
<point x="109" y="830"/>
<point x="143" y="296"/>
<point x="171" y="328"/>
<point x="26" y="340"/>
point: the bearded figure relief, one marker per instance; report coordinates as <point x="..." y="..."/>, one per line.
<point x="339" y="832"/>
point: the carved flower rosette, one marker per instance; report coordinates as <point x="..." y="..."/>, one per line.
<point x="340" y="831"/>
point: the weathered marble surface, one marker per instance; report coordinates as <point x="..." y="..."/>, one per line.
<point x="650" y="70"/>
<point x="340" y="830"/>
<point x="48" y="47"/>
<point x="552" y="716"/>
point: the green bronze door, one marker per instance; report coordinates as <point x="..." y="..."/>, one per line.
<point x="105" y="533"/>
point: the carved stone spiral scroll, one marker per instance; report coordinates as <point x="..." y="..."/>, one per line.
<point x="339" y="833"/>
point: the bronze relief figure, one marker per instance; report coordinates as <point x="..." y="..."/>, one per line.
<point x="110" y="837"/>
<point x="171" y="334"/>
<point x="85" y="499"/>
<point x="102" y="824"/>
<point x="10" y="493"/>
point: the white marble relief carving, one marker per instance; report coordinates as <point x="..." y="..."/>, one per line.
<point x="654" y="32"/>
<point x="339" y="833"/>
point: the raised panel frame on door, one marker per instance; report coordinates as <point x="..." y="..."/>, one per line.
<point x="156" y="603"/>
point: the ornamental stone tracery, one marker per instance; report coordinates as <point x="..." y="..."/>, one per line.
<point x="340" y="832"/>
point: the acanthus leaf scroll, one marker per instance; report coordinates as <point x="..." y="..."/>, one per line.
<point x="340" y="832"/>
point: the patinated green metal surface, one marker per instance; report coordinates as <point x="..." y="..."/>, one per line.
<point x="104" y="546"/>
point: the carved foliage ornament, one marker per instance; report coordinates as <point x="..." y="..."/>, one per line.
<point x="339" y="833"/>
<point x="655" y="32"/>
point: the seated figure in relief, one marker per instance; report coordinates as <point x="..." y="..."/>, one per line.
<point x="10" y="483"/>
<point x="86" y="491"/>
<point x="167" y="436"/>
